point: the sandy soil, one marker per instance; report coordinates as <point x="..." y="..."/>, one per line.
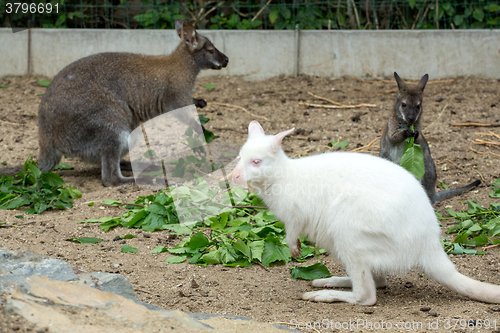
<point x="270" y="295"/>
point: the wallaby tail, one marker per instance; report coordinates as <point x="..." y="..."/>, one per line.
<point x="442" y="270"/>
<point x="11" y="170"/>
<point x="446" y="194"/>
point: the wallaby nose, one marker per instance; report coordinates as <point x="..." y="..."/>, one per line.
<point x="411" y="119"/>
<point x="225" y="61"/>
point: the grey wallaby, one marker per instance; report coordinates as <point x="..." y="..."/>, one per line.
<point x="94" y="103"/>
<point x="407" y="112"/>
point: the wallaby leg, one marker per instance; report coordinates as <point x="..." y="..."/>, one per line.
<point x="345" y="282"/>
<point x="48" y="158"/>
<point x="332" y="282"/>
<point x="363" y="290"/>
<point x="110" y="169"/>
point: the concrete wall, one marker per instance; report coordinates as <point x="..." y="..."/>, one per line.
<point x="263" y="54"/>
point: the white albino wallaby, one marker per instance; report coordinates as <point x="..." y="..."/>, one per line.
<point x="369" y="213"/>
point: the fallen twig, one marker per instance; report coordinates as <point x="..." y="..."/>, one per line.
<point x="425" y="129"/>
<point x="486" y="143"/>
<point x="474" y="125"/>
<point x="367" y="146"/>
<point x="238" y="107"/>
<point x="324" y="98"/>
<point x="489" y="247"/>
<point x="479" y="173"/>
<point x="303" y="153"/>
<point x="489" y="134"/>
<point x="484" y="153"/>
<point x="338" y="106"/>
<point x="228" y="129"/>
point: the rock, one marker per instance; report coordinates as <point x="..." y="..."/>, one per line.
<point x="425" y="309"/>
<point x="16" y="266"/>
<point x="408" y="284"/>
<point x="60" y="299"/>
<point x="433" y="313"/>
<point x="194" y="284"/>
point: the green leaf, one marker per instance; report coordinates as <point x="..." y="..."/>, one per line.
<point x="176" y="259"/>
<point x="198" y="240"/>
<point x="478" y="14"/>
<point x="86" y="240"/>
<point x="53" y="179"/>
<point x="106" y="226"/>
<point x="74" y="192"/>
<point x="337" y="144"/>
<point x="63" y="166"/>
<point x="43" y="83"/>
<point x="413" y="161"/>
<point x="110" y="202"/>
<point x="310" y="272"/>
<point x="210" y="86"/>
<point x="99" y="220"/>
<point x="212" y="258"/>
<point x="153" y="222"/>
<point x="128" y="236"/>
<point x="4" y="86"/>
<point x="91" y="204"/>
<point x="158" y="249"/>
<point x="157" y="209"/>
<point x="274" y="251"/>
<point x="273" y="15"/>
<point x="129" y="249"/>
<point x="240" y="246"/>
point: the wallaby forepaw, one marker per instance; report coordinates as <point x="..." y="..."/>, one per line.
<point x="318" y="296"/>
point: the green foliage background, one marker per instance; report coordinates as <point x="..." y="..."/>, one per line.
<point x="260" y="14"/>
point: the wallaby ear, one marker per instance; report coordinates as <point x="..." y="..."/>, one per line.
<point x="423" y="81"/>
<point x="178" y="27"/>
<point x="255" y="128"/>
<point x="401" y="84"/>
<point x="278" y="138"/>
<point x="189" y="35"/>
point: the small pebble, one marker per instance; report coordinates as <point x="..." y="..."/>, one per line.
<point x="425" y="309"/>
<point x="433" y="314"/>
<point x="116" y="265"/>
<point x="408" y="284"/>
<point x="194" y="284"/>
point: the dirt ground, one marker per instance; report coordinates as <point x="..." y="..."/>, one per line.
<point x="271" y="295"/>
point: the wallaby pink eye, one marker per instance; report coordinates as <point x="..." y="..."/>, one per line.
<point x="256" y="162"/>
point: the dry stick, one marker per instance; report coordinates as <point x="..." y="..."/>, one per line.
<point x="323" y="98"/>
<point x="303" y="153"/>
<point x="9" y="122"/>
<point x="425" y="129"/>
<point x="474" y="125"/>
<point x="238" y="107"/>
<point x="338" y="106"/>
<point x="228" y="129"/>
<point x="356" y="14"/>
<point x="261" y="10"/>
<point x="480" y="152"/>
<point x="367" y="146"/>
<point x="486" y="143"/>
<point x="297" y="325"/>
<point x="489" y="247"/>
<point x="489" y="134"/>
<point x="484" y="181"/>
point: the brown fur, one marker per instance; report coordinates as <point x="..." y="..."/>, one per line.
<point x="408" y="111"/>
<point x="94" y="103"/>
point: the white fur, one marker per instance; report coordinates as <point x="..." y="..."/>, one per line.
<point x="367" y="212"/>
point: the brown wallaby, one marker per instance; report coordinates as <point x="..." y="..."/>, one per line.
<point x="94" y="103"/>
<point x="407" y="112"/>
